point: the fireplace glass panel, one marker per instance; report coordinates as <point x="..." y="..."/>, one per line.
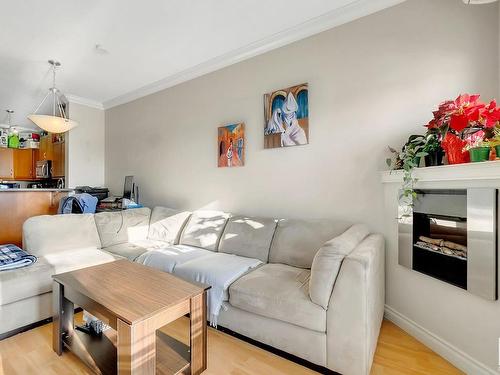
<point x="440" y="247"/>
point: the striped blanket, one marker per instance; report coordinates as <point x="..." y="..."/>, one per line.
<point x="12" y="257"/>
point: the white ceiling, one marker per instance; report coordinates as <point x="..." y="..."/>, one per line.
<point x="146" y="45"/>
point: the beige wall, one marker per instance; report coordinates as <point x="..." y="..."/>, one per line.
<point x="85" y="147"/>
<point x="372" y="82"/>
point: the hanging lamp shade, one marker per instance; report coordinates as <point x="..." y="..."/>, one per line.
<point x="53" y="123"/>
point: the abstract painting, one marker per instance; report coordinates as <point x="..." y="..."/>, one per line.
<point x="231" y="141"/>
<point x="286" y="115"/>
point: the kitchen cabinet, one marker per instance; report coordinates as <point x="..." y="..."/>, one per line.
<point x="52" y="147"/>
<point x="20" y="164"/>
<point x="58" y="159"/>
<point x="24" y="164"/>
<point x="6" y="163"/>
<point x="46" y="148"/>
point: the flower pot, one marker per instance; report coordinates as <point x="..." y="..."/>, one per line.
<point x="434" y="159"/>
<point x="479" y="154"/>
<point x="497" y="150"/>
<point x="453" y="146"/>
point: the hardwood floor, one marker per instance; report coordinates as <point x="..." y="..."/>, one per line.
<point x="397" y="353"/>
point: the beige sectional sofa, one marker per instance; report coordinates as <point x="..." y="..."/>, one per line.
<point x="315" y="289"/>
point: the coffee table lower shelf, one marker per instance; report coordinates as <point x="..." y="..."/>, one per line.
<point x="100" y="353"/>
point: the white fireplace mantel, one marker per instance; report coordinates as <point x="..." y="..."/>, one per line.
<point x="484" y="171"/>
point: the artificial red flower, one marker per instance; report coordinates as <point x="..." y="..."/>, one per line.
<point x="459" y="113"/>
<point x="491" y="115"/>
<point x="459" y="122"/>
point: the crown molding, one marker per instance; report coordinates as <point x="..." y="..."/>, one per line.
<point x="84" y="101"/>
<point x="337" y="17"/>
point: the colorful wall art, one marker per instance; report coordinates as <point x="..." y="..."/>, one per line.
<point x="286" y="114"/>
<point x="231" y="142"/>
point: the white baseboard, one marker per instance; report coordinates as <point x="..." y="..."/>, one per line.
<point x="451" y="353"/>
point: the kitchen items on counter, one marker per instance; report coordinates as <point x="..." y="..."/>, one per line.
<point x="12" y="138"/>
<point x="4" y="137"/>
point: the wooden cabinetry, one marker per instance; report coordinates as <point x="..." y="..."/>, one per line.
<point x="58" y="159"/>
<point x="24" y="164"/>
<point x="6" y="163"/>
<point x="20" y="164"/>
<point x="46" y="148"/>
<point x="53" y="148"/>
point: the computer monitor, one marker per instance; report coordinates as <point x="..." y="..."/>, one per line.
<point x="128" y="187"/>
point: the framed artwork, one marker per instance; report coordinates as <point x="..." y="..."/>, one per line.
<point x="231" y="143"/>
<point x="286" y="117"/>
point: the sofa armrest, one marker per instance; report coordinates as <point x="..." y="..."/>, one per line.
<point x="327" y="261"/>
<point x="356" y="309"/>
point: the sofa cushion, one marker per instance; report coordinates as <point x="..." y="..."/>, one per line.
<point x="122" y="226"/>
<point x="296" y="242"/>
<point x="218" y="270"/>
<point x="25" y="282"/>
<point x="78" y="258"/>
<point x="34" y="280"/>
<point x="327" y="262"/>
<point x="166" y="224"/>
<point x="167" y="258"/>
<point x="280" y="292"/>
<point x="248" y="237"/>
<point x="49" y="234"/>
<point x="204" y="229"/>
<point x="131" y="250"/>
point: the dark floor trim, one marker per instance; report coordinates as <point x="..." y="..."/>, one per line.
<point x="281" y="353"/>
<point x="29" y="327"/>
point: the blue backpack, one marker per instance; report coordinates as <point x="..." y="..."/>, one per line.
<point x="78" y="204"/>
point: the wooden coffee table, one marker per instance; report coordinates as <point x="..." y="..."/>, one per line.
<point x="135" y="301"/>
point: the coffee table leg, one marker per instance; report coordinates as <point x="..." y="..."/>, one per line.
<point x="62" y="321"/>
<point x="198" y="333"/>
<point x="136" y="348"/>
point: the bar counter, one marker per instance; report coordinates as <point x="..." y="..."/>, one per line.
<point x="17" y="205"/>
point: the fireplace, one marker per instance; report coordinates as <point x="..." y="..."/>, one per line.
<point x="451" y="235"/>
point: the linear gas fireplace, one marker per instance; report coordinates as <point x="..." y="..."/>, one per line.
<point x="451" y="235"/>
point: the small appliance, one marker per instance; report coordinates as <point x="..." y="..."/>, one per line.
<point x="44" y="169"/>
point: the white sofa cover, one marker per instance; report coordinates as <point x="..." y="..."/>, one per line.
<point x="325" y="306"/>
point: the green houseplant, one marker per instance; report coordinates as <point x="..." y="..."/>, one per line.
<point x="433" y="149"/>
<point x="407" y="160"/>
<point x="495" y="141"/>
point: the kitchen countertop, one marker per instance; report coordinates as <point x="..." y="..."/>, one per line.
<point x="33" y="190"/>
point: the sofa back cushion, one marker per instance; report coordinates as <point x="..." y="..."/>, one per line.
<point x="327" y="262"/>
<point x="204" y="229"/>
<point x="48" y="234"/>
<point x="248" y="236"/>
<point x="122" y="226"/>
<point x="296" y="242"/>
<point x="166" y="224"/>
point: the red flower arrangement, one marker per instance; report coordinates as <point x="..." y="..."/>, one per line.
<point x="458" y="119"/>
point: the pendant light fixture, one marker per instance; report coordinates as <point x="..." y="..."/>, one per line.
<point x="53" y="123"/>
<point x="10" y="112"/>
<point x="12" y="133"/>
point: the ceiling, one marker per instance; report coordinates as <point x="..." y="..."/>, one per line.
<point x="145" y="46"/>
